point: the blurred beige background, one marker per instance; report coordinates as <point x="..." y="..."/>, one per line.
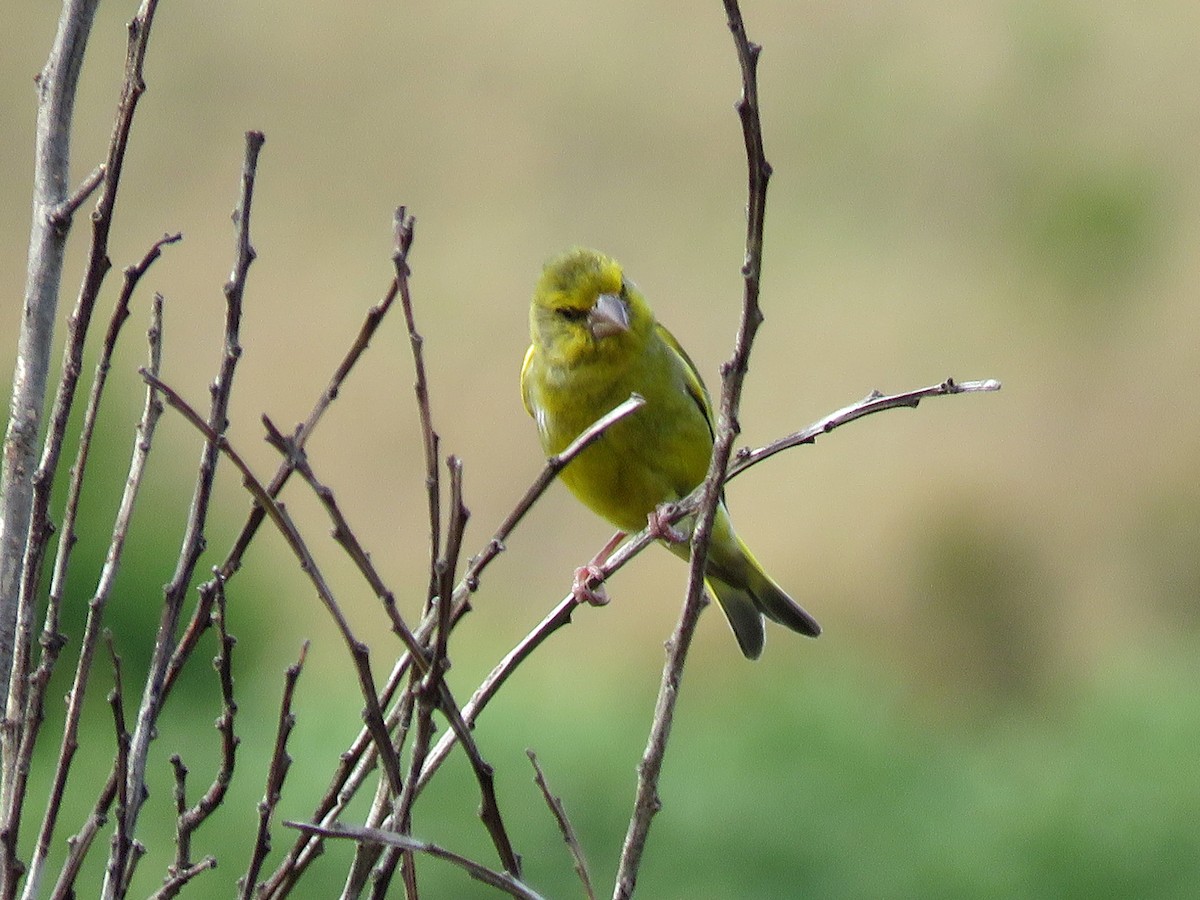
<point x="998" y="189"/>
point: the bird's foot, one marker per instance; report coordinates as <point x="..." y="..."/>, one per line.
<point x="581" y="587"/>
<point x="659" y="524"/>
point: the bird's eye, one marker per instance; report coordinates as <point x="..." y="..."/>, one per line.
<point x="572" y="313"/>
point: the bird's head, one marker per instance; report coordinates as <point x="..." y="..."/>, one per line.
<point x="584" y="305"/>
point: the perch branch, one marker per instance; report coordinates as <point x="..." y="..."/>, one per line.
<point x="560" y="615"/>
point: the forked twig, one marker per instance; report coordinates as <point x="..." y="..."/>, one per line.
<point x="193" y="540"/>
<point x="281" y="761"/>
<point x="356" y="762"/>
<point x="189" y="819"/>
<point x="200" y="619"/>
<point x="92" y="628"/>
<point x="359" y="652"/>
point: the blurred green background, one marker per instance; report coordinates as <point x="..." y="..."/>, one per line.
<point x="1004" y="703"/>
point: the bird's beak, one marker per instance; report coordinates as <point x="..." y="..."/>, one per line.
<point x="610" y="315"/>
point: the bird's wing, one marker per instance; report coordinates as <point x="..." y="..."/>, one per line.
<point x="694" y="384"/>
<point x="525" y="383"/>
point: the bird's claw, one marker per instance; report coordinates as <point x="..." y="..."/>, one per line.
<point x="582" y="590"/>
<point x="659" y="524"/>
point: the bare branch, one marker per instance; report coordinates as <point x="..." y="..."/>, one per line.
<point x="434" y="692"/>
<point x="281" y="761"/>
<point x="56" y="103"/>
<point x="112" y="562"/>
<point x="96" y="268"/>
<point x="564" y="825"/>
<point x="66" y="212"/>
<point x="188" y="820"/>
<point x="193" y="539"/>
<point x="123" y="857"/>
<point x="505" y="882"/>
<point x="554" y="465"/>
<point x="344" y="534"/>
<point x="81" y="842"/>
<point x="874" y="402"/>
<point x="405" y="225"/>
<point x="179" y="880"/>
<point x="358" y="650"/>
<point x="733" y="373"/>
<point x="200" y="619"/>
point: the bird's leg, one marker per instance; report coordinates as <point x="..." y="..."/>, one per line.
<point x="659" y="524"/>
<point x="581" y="587"/>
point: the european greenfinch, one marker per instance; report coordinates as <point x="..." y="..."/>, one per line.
<point x="595" y="342"/>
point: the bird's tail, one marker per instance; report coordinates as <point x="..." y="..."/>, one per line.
<point x="747" y="593"/>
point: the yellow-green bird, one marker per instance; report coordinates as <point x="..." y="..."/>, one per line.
<point x="595" y="342"/>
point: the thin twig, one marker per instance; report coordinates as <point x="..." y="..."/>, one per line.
<point x="647" y="802"/>
<point x="510" y="884"/>
<point x="193" y="540"/>
<point x="200" y="619"/>
<point x="188" y="820"/>
<point x="564" y="826"/>
<point x="356" y="761"/>
<point x="79" y="843"/>
<point x="554" y="465"/>
<point x="52" y="641"/>
<point x="120" y="860"/>
<point x="435" y="690"/>
<point x="874" y="402"/>
<point x="177" y="881"/>
<point x="344" y="534"/>
<point x="358" y="650"/>
<point x="405" y="225"/>
<point x="434" y="693"/>
<point x="281" y="762"/>
<point x="65" y="212"/>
